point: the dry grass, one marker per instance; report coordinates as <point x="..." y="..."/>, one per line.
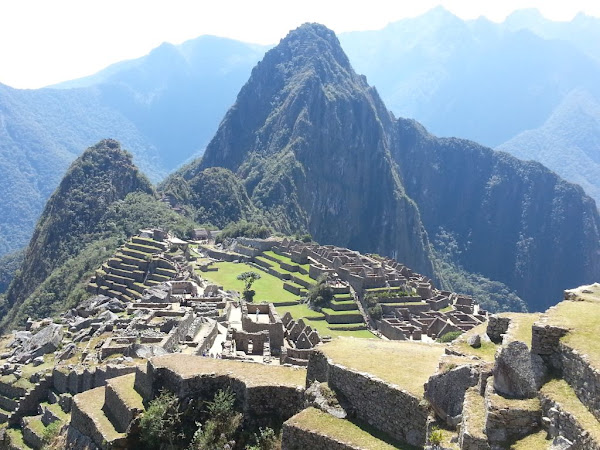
<point x="314" y="420"/>
<point x="123" y="386"/>
<point x="475" y="412"/>
<point x="405" y="363"/>
<point x="562" y="393"/>
<point x="520" y="326"/>
<point x="582" y="318"/>
<point x="499" y="402"/>
<point x="251" y="373"/>
<point x="487" y="350"/>
<point x="536" y="441"/>
<point x="91" y="403"/>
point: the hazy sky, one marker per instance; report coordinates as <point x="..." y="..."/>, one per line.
<point x="47" y="41"/>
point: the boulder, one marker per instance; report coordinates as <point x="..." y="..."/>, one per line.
<point x="474" y="341"/>
<point x="445" y="391"/>
<point x="115" y="306"/>
<point x="148" y="351"/>
<point x="67" y="352"/>
<point x="107" y="316"/>
<point x="518" y="373"/>
<point x="160" y="293"/>
<point x="44" y="341"/>
<point x="38" y="361"/>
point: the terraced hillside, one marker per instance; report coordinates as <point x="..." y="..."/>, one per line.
<point x="137" y="265"/>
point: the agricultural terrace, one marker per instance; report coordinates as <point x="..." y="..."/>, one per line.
<point x="408" y="364"/>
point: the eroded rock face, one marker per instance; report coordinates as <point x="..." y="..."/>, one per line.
<point x="44" y="341"/>
<point x="446" y="391"/>
<point x="517" y="372"/>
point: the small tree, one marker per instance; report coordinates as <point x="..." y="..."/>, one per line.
<point x="248" y="278"/>
<point x="320" y="294"/>
<point x="220" y="430"/>
<point x="161" y="423"/>
<point x="266" y="440"/>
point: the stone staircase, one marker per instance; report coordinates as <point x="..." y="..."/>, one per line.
<point x="105" y="413"/>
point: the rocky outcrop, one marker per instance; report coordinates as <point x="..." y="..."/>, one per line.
<point x="445" y="391"/>
<point x="513" y="221"/>
<point x="517" y="372"/>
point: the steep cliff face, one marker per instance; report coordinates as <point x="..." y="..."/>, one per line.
<point x="514" y="221"/>
<point x="310" y="139"/>
<point x="318" y="151"/>
<point x="102" y="175"/>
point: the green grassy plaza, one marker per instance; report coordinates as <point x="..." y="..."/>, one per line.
<point x="270" y="289"/>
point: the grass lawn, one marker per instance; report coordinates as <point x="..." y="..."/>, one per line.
<point x="268" y="288"/>
<point x="314" y="420"/>
<point x="520" y="327"/>
<point x="475" y="412"/>
<point x="405" y="363"/>
<point x="583" y="319"/>
<point x="251" y="374"/>
<point x="487" y="350"/>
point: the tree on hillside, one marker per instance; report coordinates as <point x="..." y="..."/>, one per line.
<point x="248" y="278"/>
<point x="320" y="294"/>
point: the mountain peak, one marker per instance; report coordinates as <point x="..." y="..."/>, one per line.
<point x="309" y="43"/>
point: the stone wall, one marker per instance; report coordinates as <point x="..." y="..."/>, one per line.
<point x="496" y="328"/>
<point x="178" y="333"/>
<point x="390" y="331"/>
<point x="82" y="379"/>
<point x="384" y="406"/>
<point x="30" y="402"/>
<point x="471" y="436"/>
<point x="261" y="405"/>
<point x="243" y="338"/>
<point x="509" y="420"/>
<point x="564" y="424"/>
<point x="545" y="341"/>
<point x="260" y="244"/>
<point x="274" y="328"/>
<point x="295" y="438"/>
<point x="583" y="378"/>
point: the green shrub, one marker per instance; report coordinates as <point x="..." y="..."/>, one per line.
<point x="450" y="336"/>
<point x="51" y="432"/>
<point x="375" y="311"/>
<point x="161" y="423"/>
<point x="320" y="294"/>
<point x="222" y="427"/>
<point x="244" y="229"/>
<point x="267" y="439"/>
<point x="248" y="278"/>
<point x="436" y="436"/>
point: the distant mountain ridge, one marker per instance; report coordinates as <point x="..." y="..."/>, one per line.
<point x="317" y="151"/>
<point x="163" y="107"/>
